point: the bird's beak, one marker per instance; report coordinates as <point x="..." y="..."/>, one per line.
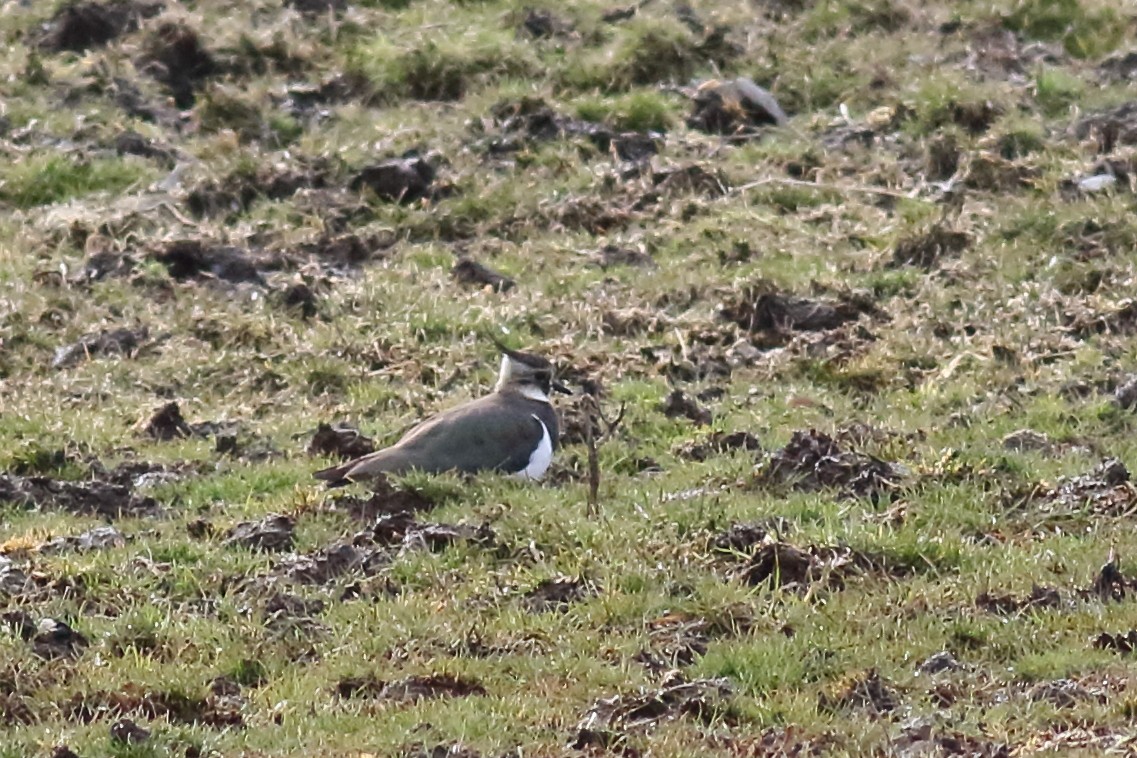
<point x="561" y="388"/>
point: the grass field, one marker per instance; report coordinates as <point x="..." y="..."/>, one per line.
<point x="877" y="368"/>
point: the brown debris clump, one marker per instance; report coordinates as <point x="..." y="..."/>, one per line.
<point x="1107" y="490"/>
<point x="679" y="405"/>
<point x="813" y="460"/>
<point x="558" y="594"/>
<point x="609" y="719"/>
<point x="469" y="271"/>
<point x="409" y="690"/>
<point x="772" y="317"/>
<point x="340" y="441"/>
<point x="94" y="498"/>
<point x="80" y="26"/>
<point x="927" y="249"/>
<point x="718" y="443"/>
<point x="273" y="533"/>
<point x="399" y="180"/>
<point x="123" y="341"/>
<point x="870" y="693"/>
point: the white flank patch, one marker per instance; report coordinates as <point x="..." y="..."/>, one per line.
<point x="541" y="458"/>
<point x="534" y="393"/>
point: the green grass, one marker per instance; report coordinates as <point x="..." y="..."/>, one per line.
<point x="50" y="179"/>
<point x="1028" y="327"/>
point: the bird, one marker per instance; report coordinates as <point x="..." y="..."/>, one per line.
<point x="513" y="429"/>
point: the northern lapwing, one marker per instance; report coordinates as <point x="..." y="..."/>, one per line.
<point x="513" y="429"/>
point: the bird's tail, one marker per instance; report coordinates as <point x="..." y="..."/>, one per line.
<point x="335" y="476"/>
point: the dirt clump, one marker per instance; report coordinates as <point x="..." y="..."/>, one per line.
<point x="273" y="533"/>
<point x="782" y="565"/>
<point x="557" y="594"/>
<point x="869" y="692"/>
<point x="133" y="143"/>
<point x="386" y="500"/>
<point x="409" y="690"/>
<point x="1122" y="642"/>
<point x="400" y="180"/>
<point x="1002" y="604"/>
<point x="167" y="424"/>
<point x="927" y="249"/>
<point x="133" y="700"/>
<point x="99" y="538"/>
<point x="679" y="405"/>
<point x="607" y="722"/>
<point x="124" y="341"/>
<point x="238" y="192"/>
<point x="1106" y="490"/>
<point x="340" y="441"/>
<point x="92" y="498"/>
<point x="718" y="443"/>
<point x="79" y="26"/>
<point x="195" y="259"/>
<point x="470" y="272"/>
<point x="812" y="460"/>
<point x="126" y="732"/>
<point x="175" y="56"/>
<point x="771" y="317"/>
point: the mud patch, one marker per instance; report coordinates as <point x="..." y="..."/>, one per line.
<point x="679" y="405"/>
<point x="237" y="192"/>
<point x="82" y="26"/>
<point x="1105" y="491"/>
<point x="194" y="259"/>
<point x="134" y="700"/>
<point x="869" y="693"/>
<point x="718" y="443"/>
<point x="124" y="341"/>
<point x="340" y="441"/>
<point x="813" y="461"/>
<point x="94" y="498"/>
<point x="772" y="317"/>
<point x="409" y="690"/>
<point x="273" y="533"/>
<point x="558" y="594"/>
<point x="1006" y="604"/>
<point x="469" y="272"/>
<point x="99" y="538"/>
<point x="608" y="721"/>
<point x="175" y="56"/>
<point x="386" y="499"/>
<point x="928" y="249"/>
<point x="399" y="180"/>
<point x="786" y="566"/>
<point x="517" y="124"/>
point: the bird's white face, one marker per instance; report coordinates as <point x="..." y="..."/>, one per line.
<point x="511" y="372"/>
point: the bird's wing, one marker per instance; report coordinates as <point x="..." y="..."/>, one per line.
<point x="472" y="437"/>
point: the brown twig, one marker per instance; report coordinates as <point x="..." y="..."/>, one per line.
<point x="593" y="415"/>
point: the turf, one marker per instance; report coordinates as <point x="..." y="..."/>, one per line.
<point x="868" y="493"/>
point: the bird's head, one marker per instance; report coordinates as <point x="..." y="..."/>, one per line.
<point x="529" y="374"/>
